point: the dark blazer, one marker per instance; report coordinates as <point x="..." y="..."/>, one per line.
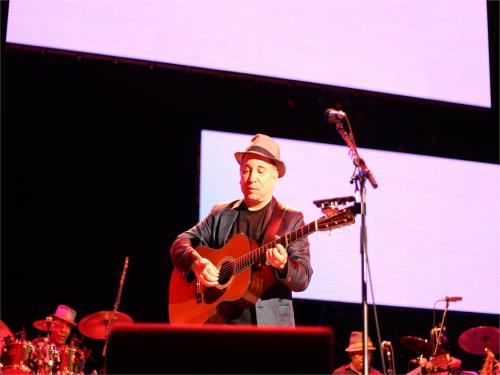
<point x="275" y="305"/>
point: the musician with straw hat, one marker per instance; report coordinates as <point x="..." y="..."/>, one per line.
<point x="355" y="351"/>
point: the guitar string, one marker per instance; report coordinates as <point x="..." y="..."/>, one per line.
<point x="243" y="262"/>
<point x="239" y="264"/>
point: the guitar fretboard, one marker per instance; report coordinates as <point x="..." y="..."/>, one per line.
<point x="257" y="255"/>
<point x="342" y="218"/>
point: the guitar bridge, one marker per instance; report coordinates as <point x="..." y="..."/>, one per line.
<point x="199" y="295"/>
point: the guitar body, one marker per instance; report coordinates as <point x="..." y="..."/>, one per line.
<point x="193" y="303"/>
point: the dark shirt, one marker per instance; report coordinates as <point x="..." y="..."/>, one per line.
<point x="249" y="223"/>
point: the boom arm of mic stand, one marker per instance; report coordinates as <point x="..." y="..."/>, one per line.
<point x="357" y="159"/>
<point x="367" y="172"/>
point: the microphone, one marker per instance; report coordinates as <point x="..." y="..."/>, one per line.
<point x="452" y="299"/>
<point x="333" y="116"/>
<point x="386" y="344"/>
<point x="387" y="347"/>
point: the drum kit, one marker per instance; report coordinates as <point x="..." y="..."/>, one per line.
<point x="482" y="340"/>
<point x="42" y="357"/>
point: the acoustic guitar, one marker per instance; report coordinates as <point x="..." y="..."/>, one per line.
<point x="432" y="365"/>
<point x="243" y="277"/>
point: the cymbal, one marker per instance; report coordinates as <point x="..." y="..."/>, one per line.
<point x="479" y="340"/>
<point x="44" y="324"/>
<point x="419" y="345"/>
<point x="4" y="330"/>
<point x="94" y="325"/>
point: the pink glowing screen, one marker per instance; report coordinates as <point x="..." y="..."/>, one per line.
<point x="433" y="224"/>
<point x="428" y="49"/>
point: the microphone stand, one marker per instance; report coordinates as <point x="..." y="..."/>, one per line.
<point x="359" y="177"/>
<point x="440" y="329"/>
<point x="364" y="268"/>
<point x="115" y="309"/>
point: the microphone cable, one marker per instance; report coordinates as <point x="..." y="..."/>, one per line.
<point x="375" y="316"/>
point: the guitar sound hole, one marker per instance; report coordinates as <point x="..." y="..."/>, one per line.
<point x="225" y="273"/>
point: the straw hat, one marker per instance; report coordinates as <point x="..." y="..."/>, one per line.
<point x="356" y="342"/>
<point x="65" y="313"/>
<point x="263" y="145"/>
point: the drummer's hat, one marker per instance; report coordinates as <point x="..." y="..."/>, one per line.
<point x="66" y="314"/>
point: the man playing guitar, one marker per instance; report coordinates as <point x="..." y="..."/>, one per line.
<point x="284" y="267"/>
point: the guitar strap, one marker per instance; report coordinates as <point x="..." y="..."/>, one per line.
<point x="273" y="223"/>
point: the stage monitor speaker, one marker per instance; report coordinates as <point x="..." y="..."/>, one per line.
<point x="163" y="348"/>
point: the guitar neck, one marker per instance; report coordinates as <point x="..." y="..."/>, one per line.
<point x="257" y="255"/>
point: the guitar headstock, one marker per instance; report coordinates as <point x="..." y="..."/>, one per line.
<point x="337" y="218"/>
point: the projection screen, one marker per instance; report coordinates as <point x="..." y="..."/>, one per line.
<point x="426" y="49"/>
<point x="433" y="223"/>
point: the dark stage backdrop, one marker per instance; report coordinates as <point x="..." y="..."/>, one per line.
<point x="100" y="161"/>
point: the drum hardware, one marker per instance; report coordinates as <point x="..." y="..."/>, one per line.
<point x="41" y="356"/>
<point x="48" y="359"/>
<point x="45" y="357"/>
<point x="420" y="346"/>
<point x="483" y="340"/>
<point x="16" y="356"/>
<point x="44" y="324"/>
<point x="480" y="340"/>
<point x="71" y="360"/>
<point x="95" y="325"/>
<point x="425" y="359"/>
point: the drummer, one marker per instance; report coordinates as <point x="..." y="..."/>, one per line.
<point x="63" y="323"/>
<point x="51" y="354"/>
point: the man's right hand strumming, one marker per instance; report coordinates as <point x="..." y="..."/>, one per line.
<point x="206" y="272"/>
